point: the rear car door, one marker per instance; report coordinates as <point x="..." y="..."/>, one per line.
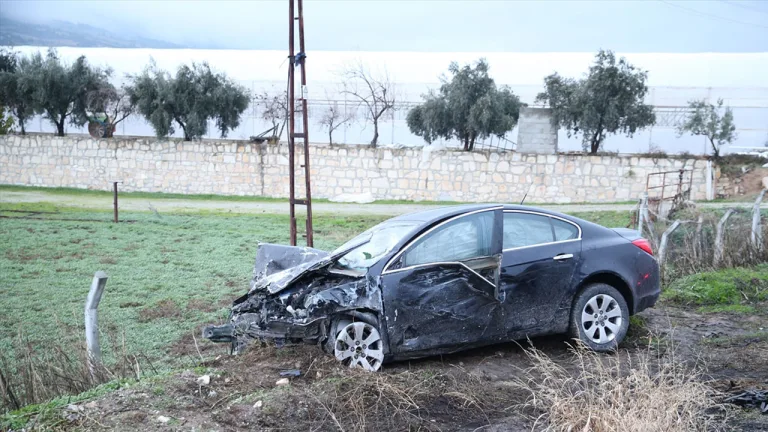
<point x="540" y="255"/>
<point x="440" y="291"/>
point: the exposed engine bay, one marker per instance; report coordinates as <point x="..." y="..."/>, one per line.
<point x="293" y="294"/>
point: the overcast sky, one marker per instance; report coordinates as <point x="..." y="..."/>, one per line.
<point x="392" y="25"/>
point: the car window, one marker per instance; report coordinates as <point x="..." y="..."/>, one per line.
<point x="564" y="230"/>
<point x="525" y="229"/>
<point x="458" y="240"/>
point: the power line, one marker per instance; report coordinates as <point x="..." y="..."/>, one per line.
<point x="712" y="16"/>
<point x="733" y="3"/>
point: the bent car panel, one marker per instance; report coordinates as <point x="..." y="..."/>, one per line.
<point x="444" y="280"/>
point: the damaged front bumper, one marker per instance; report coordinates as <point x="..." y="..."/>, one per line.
<point x="294" y="295"/>
<point x="283" y="331"/>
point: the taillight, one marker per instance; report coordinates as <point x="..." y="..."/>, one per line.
<point x="644" y="245"/>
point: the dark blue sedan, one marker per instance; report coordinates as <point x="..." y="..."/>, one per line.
<point x="445" y="280"/>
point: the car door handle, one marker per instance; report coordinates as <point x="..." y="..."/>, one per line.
<point x="562" y="257"/>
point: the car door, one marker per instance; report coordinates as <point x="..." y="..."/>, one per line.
<point x="540" y="255"/>
<point x="440" y="291"/>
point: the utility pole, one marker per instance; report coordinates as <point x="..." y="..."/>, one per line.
<point x="298" y="59"/>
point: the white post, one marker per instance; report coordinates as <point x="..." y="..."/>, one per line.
<point x="719" y="232"/>
<point x="664" y="238"/>
<point x="92" y="320"/>
<point x="757" y="233"/>
<point x="710" y="176"/>
<point x="641" y="212"/>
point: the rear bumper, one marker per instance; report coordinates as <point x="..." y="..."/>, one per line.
<point x="646" y="302"/>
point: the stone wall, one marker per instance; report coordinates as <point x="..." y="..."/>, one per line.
<point x="536" y="133"/>
<point x="243" y="168"/>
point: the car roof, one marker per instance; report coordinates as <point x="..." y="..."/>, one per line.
<point x="440" y="213"/>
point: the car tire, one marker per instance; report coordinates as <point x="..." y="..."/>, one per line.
<point x="356" y="344"/>
<point x="599" y="317"/>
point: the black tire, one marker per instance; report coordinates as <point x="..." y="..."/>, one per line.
<point x="601" y="323"/>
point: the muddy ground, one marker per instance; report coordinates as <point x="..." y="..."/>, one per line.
<point x="468" y="391"/>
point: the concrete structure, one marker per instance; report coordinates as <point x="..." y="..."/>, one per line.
<point x="243" y="168"/>
<point x="536" y="133"/>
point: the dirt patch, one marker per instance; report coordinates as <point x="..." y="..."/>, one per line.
<point x="162" y="309"/>
<point x="203" y="305"/>
<point x="21" y="255"/>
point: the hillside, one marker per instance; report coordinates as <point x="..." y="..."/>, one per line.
<point x="63" y="33"/>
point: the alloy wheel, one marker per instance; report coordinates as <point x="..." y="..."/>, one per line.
<point x="359" y="345"/>
<point x="601" y="319"/>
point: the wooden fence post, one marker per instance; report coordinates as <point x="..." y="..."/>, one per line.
<point x="92" y="321"/>
<point x="664" y="239"/>
<point x="719" y="233"/>
<point x="757" y="232"/>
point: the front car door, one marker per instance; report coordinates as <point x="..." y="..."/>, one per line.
<point x="440" y="291"/>
<point x="540" y="255"/>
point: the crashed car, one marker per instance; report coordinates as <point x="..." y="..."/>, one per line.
<point x="445" y="280"/>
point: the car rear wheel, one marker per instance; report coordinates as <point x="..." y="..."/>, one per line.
<point x="600" y="317"/>
<point x="358" y="344"/>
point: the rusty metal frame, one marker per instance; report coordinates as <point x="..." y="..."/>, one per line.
<point x="294" y="61"/>
<point x="680" y="195"/>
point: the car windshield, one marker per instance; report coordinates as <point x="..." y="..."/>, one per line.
<point x="368" y="247"/>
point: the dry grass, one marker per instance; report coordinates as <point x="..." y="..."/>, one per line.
<point x="619" y="393"/>
<point x="691" y="250"/>
<point x="32" y="375"/>
<point x="424" y="399"/>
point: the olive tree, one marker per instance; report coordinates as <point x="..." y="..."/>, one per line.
<point x="711" y="121"/>
<point x="468" y="106"/>
<point x="17" y="89"/>
<point x="187" y="100"/>
<point x="609" y="100"/>
<point x="62" y="90"/>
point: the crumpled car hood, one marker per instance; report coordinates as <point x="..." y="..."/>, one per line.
<point x="278" y="266"/>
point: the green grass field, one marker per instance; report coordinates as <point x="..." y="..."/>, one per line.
<point x="168" y="275"/>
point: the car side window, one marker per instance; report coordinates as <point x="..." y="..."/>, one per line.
<point x="564" y="230"/>
<point x="461" y="239"/>
<point x="525" y="229"/>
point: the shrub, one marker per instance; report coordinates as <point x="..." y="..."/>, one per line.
<point x="617" y="393"/>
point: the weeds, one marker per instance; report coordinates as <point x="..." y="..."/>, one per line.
<point x="34" y="375"/>
<point x="619" y="393"/>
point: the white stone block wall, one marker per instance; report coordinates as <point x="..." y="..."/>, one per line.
<point x="243" y="168"/>
<point x="536" y="133"/>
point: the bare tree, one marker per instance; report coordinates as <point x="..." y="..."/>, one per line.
<point x="334" y="117"/>
<point x="374" y="92"/>
<point x="274" y="109"/>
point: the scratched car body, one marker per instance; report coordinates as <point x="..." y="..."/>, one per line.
<point x="445" y="280"/>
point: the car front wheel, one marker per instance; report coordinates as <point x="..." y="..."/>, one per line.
<point x="358" y="344"/>
<point x="600" y="317"/>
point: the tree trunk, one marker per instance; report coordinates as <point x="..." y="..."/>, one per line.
<point x="472" y="144"/>
<point x="330" y="136"/>
<point x="60" y="127"/>
<point x="466" y="142"/>
<point x="184" y="130"/>
<point x="375" y="139"/>
<point x="715" y="150"/>
<point x="23" y="130"/>
<point x="595" y="145"/>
